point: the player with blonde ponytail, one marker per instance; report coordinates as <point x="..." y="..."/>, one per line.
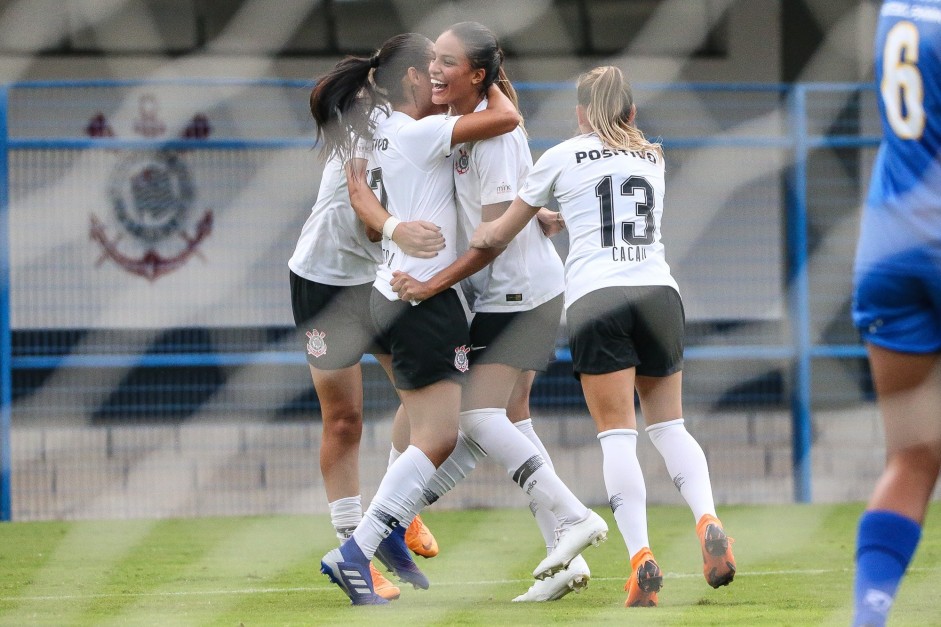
<point x="624" y="314"/>
<point x="609" y="110"/>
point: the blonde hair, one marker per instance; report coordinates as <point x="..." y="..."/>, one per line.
<point x="608" y="101"/>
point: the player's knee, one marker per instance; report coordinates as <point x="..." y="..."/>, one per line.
<point x="923" y="461"/>
<point x="343" y="427"/>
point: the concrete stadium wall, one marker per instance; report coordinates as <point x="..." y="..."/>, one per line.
<point x="243" y="468"/>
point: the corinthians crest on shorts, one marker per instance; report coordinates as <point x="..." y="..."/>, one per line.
<point x="460" y="358"/>
<point x="316" y="345"/>
<point x="152" y="228"/>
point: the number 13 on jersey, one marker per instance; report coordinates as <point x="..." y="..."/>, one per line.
<point x="638" y="229"/>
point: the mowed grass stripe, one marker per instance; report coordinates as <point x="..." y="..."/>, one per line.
<point x="795" y="567"/>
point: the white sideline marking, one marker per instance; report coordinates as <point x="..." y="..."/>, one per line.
<point x="188" y="593"/>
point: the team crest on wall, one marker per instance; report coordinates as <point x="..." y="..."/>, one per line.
<point x="153" y="226"/>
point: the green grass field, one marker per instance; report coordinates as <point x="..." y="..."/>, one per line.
<point x="795" y="568"/>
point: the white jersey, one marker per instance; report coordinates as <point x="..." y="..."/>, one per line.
<point x="612" y="204"/>
<point x="529" y="272"/>
<point x="410" y="170"/>
<point x="333" y="248"/>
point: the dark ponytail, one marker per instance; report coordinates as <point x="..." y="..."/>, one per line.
<point x="342" y="101"/>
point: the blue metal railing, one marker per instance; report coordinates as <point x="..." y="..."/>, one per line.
<point x="799" y="352"/>
<point x="6" y="349"/>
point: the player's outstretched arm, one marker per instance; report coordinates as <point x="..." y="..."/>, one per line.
<point x="498" y="118"/>
<point x="411" y="289"/>
<point x="550" y="222"/>
<point x="500" y="232"/>
<point x="418" y="238"/>
<point x="474" y="259"/>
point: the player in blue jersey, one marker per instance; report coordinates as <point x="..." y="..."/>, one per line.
<point x="897" y="297"/>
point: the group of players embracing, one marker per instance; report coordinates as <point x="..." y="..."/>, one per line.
<point x="429" y="187"/>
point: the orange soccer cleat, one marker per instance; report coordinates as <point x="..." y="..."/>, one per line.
<point x="718" y="564"/>
<point x="382" y="586"/>
<point x="645" y="581"/>
<point x="419" y="540"/>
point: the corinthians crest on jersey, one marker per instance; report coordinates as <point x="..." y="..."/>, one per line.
<point x="462" y="163"/>
<point x="153" y="226"/>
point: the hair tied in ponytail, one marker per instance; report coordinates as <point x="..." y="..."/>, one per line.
<point x="374" y="61"/>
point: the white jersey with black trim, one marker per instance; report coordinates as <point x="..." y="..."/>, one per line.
<point x="333" y="248"/>
<point x="529" y="272"/>
<point x="612" y="204"/>
<point x="410" y="171"/>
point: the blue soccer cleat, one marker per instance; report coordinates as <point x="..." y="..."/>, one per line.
<point x="394" y="554"/>
<point x="348" y="568"/>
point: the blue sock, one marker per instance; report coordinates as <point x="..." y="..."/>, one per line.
<point x="885" y="544"/>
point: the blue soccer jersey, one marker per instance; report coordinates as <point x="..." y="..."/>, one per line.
<point x="900" y="235"/>
<point x="904" y="202"/>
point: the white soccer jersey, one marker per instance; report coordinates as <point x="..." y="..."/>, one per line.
<point x="612" y="203"/>
<point x="529" y="272"/>
<point x="333" y="248"/>
<point x="410" y="170"/>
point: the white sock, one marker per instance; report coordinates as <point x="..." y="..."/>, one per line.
<point x="393" y="455"/>
<point x="624" y="481"/>
<point x="345" y="514"/>
<point x="455" y="468"/>
<point x="494" y="432"/>
<point x="545" y="519"/>
<point x="526" y="428"/>
<point x="686" y="464"/>
<point x="396" y="501"/>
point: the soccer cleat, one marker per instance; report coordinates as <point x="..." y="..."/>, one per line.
<point x="718" y="563"/>
<point x="419" y="540"/>
<point x="645" y="580"/>
<point x="572" y="579"/>
<point x="591" y="531"/>
<point x="348" y="568"/>
<point x="395" y="556"/>
<point x="382" y="586"/>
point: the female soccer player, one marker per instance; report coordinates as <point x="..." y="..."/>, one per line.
<point x="428" y="342"/>
<point x="331" y="275"/>
<point x="624" y="313"/>
<point x="516" y="297"/>
<point x="897" y="299"/>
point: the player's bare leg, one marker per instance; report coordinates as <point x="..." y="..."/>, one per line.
<point x="662" y="406"/>
<point x="908" y="389"/>
<point x="610" y="399"/>
<point x="340" y="393"/>
<point x="909" y="398"/>
<point x="418" y="538"/>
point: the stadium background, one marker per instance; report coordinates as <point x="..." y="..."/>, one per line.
<point x="166" y="387"/>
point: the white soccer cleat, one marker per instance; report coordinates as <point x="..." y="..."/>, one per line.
<point x="572" y="579"/>
<point x="591" y="531"/>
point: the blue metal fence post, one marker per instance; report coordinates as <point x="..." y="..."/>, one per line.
<point x="6" y="350"/>
<point x="799" y="296"/>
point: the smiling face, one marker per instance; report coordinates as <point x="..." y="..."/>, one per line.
<point x="419" y="87"/>
<point x="454" y="81"/>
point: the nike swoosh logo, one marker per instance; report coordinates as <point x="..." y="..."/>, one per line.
<point x="477" y="348"/>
